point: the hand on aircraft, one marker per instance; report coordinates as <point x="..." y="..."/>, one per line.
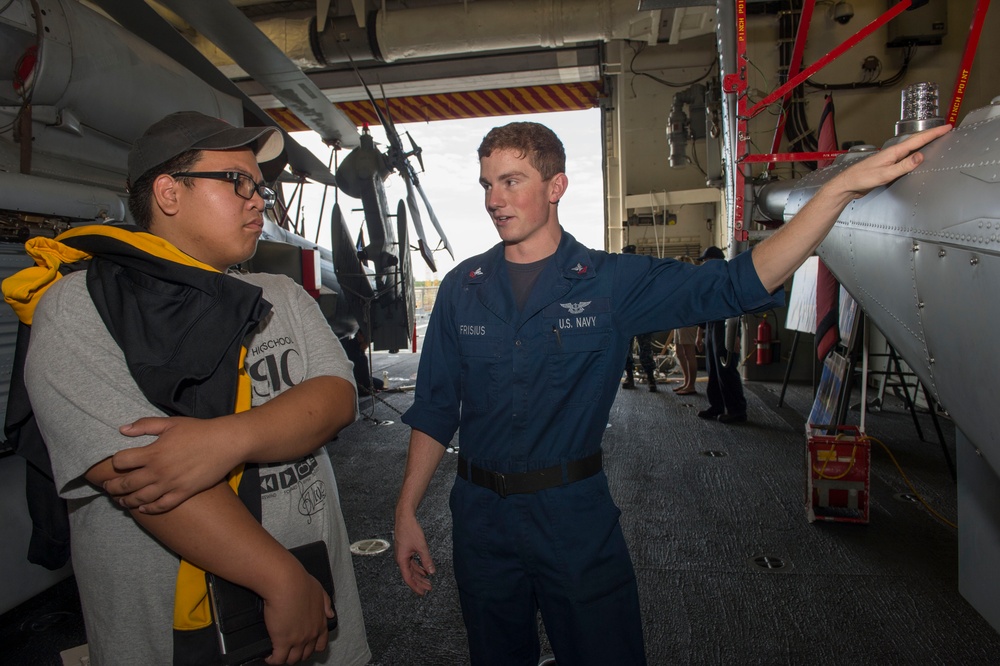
<point x="886" y="165"/>
<point x="412" y="555"/>
<point x="777" y="258"/>
<point x="296" y="619"/>
<point x="189" y="455"/>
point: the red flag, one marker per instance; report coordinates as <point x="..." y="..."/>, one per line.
<point x="827" y="140"/>
<point x="827" y="311"/>
<point x="827" y="287"/>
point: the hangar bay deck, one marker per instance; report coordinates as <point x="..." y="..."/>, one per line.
<point x="729" y="569"/>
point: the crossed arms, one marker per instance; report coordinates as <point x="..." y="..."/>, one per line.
<point x="192" y="510"/>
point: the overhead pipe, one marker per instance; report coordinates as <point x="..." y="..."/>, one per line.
<point x="443" y="30"/>
<point x="491" y="25"/>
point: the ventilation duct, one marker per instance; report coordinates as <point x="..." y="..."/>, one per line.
<point x="444" y="30"/>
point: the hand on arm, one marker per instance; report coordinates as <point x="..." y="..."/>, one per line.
<point x="214" y="531"/>
<point x="412" y="554"/>
<point x="190" y="455"/>
<point x="779" y="256"/>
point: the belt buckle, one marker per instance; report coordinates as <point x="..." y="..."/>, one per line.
<point x="501" y="485"/>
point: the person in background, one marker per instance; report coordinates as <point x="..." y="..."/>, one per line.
<point x="356" y="349"/>
<point x="645" y="343"/>
<point x="726" y="402"/>
<point x="684" y="348"/>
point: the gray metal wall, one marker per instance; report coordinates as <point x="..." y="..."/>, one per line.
<point x="21" y="579"/>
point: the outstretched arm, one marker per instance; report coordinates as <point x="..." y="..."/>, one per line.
<point x="158" y="477"/>
<point x="412" y="554"/>
<point x="779" y="256"/>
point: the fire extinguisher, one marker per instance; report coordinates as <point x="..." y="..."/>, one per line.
<point x="763" y="342"/>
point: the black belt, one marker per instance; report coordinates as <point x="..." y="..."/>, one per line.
<point x="513" y="483"/>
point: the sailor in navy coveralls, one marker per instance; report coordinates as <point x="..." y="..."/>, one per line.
<point x="523" y="353"/>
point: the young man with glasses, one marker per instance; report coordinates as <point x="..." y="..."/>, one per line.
<point x="148" y="375"/>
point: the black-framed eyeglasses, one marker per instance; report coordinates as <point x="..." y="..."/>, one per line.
<point x="244" y="185"/>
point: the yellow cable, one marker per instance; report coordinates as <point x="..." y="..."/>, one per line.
<point x="833" y="450"/>
<point x="907" y="480"/>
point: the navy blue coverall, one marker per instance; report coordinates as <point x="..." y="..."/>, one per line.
<point x="725" y="388"/>
<point x="533" y="389"/>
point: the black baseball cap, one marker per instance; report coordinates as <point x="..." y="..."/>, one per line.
<point x="711" y="252"/>
<point x="628" y="249"/>
<point x="190" y="130"/>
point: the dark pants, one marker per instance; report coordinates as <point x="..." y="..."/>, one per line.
<point x="359" y="357"/>
<point x="559" y="551"/>
<point x="645" y="358"/>
<point x="725" y="388"/>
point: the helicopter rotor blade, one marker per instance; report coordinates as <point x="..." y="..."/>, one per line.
<point x="405" y="272"/>
<point x="141" y="19"/>
<point x="384" y="116"/>
<point x="411" y="203"/>
<point x="357" y="290"/>
<point x="360" y="247"/>
<point x="390" y="127"/>
<point x="434" y="220"/>
<point x="227" y="27"/>
<point x="397" y="158"/>
<point x="416" y="151"/>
